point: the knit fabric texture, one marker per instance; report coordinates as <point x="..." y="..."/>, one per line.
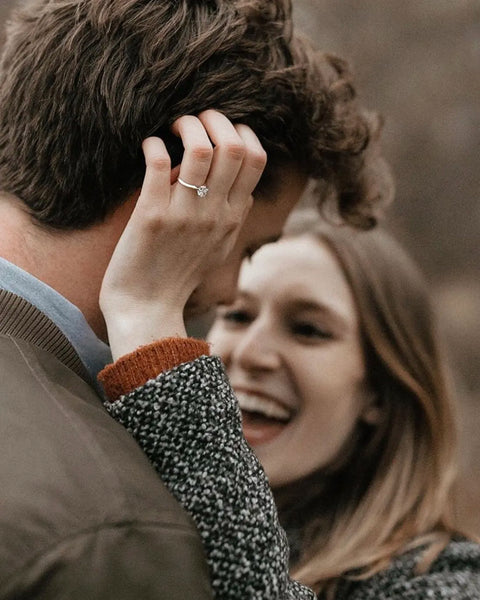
<point x="188" y="423"/>
<point x="454" y="575"/>
<point x="134" y="369"/>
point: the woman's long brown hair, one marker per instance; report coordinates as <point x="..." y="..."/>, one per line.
<point x="389" y="490"/>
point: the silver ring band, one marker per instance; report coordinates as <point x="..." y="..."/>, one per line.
<point x="202" y="190"/>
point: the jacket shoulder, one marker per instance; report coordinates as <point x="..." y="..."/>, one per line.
<point x="78" y="483"/>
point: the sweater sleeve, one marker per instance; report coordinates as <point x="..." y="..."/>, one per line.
<point x="135" y="369"/>
<point x="188" y="423"/>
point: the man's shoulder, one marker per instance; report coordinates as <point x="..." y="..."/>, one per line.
<point x="67" y="468"/>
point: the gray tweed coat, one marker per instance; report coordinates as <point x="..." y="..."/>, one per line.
<point x="188" y="422"/>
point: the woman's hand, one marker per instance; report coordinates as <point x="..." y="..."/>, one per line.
<point x="174" y="237"/>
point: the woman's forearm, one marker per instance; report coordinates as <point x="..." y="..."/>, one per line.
<point x="188" y="423"/>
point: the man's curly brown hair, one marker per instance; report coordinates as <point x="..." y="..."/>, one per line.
<point x="83" y="82"/>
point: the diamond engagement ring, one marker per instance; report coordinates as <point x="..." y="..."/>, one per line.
<point x="202" y="190"/>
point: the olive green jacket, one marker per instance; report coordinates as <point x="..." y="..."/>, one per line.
<point x="82" y="512"/>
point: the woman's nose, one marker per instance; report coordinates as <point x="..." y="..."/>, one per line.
<point x="256" y="350"/>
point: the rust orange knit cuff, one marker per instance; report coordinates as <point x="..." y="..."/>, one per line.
<point x="135" y="369"/>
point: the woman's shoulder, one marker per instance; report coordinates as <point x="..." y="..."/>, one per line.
<point x="459" y="554"/>
<point x="454" y="575"/>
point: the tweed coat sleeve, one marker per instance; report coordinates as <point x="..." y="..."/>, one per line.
<point x="188" y="423"/>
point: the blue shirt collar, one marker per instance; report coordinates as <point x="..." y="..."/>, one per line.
<point x="93" y="353"/>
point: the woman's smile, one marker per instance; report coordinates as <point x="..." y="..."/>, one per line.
<point x="263" y="417"/>
<point x="291" y="345"/>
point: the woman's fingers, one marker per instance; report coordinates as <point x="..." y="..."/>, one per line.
<point x="227" y="158"/>
<point x="229" y="151"/>
<point x="173" y="238"/>
<point x="156" y="184"/>
<point x="252" y="167"/>
<point x="198" y="153"/>
<point x="231" y="171"/>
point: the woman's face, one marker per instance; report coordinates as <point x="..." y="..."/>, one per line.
<point x="291" y="345"/>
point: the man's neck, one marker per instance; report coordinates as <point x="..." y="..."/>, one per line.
<point x="71" y="262"/>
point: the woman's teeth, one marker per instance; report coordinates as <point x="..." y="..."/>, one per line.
<point x="265" y="406"/>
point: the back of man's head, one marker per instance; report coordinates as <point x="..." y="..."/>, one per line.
<point x="83" y="82"/>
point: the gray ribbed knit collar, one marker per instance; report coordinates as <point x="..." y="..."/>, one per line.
<point x="68" y="319"/>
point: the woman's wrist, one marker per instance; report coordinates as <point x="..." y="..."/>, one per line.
<point x="128" y="333"/>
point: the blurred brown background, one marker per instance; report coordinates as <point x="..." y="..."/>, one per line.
<point x="418" y="63"/>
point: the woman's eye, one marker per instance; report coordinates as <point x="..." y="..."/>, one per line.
<point x="236" y="316"/>
<point x="308" y="330"/>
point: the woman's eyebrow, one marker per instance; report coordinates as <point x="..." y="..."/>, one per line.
<point x="243" y="295"/>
